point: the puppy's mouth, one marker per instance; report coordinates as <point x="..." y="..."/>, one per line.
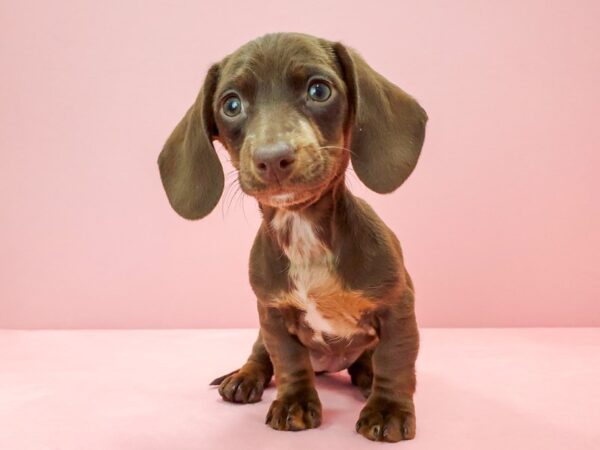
<point x="288" y="195"/>
<point x="287" y="199"/>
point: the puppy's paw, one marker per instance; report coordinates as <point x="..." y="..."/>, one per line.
<point x="241" y="386"/>
<point x="387" y="420"/>
<point x="296" y="412"/>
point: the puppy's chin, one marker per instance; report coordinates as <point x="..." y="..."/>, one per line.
<point x="288" y="199"/>
<point x="288" y="195"/>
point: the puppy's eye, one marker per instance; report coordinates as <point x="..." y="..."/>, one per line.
<point x="319" y="91"/>
<point x="232" y="106"/>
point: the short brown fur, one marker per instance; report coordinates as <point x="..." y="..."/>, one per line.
<point x="328" y="274"/>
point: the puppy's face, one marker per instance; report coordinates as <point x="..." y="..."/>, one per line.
<point x="280" y="108"/>
<point x="292" y="110"/>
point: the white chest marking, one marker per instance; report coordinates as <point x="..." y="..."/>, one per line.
<point x="310" y="265"/>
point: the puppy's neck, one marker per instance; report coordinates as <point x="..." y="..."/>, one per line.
<point x="312" y="222"/>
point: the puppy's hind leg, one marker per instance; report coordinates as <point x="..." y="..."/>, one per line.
<point x="246" y="385"/>
<point x="361" y="373"/>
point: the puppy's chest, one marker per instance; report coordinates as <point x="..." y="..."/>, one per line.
<point x="327" y="314"/>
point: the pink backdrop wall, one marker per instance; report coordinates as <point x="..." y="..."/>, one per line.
<point x="500" y="222"/>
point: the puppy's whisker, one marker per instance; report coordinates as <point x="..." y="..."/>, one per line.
<point x="352" y="176"/>
<point x="227" y="195"/>
<point x="232" y="173"/>
<point x="241" y="196"/>
<point x="233" y="197"/>
<point x="335" y="147"/>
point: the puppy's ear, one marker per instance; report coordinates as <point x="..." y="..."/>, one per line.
<point x="387" y="126"/>
<point x="191" y="172"/>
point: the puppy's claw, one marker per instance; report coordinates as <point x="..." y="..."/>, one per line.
<point x="219" y="380"/>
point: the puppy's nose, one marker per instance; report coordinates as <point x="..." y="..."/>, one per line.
<point x="274" y="162"/>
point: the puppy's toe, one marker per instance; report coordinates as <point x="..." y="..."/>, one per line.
<point x="295" y="413"/>
<point x="387" y="421"/>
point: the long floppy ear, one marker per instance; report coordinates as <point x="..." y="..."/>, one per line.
<point x="191" y="172"/>
<point x="387" y="126"/>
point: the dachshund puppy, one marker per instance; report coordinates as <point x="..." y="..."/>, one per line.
<point x="293" y="111"/>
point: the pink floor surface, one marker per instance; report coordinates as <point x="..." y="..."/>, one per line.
<point x="148" y="390"/>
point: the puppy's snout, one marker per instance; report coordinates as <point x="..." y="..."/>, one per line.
<point x="274" y="162"/>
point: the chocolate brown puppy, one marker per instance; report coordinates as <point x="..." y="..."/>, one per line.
<point x="293" y="111"/>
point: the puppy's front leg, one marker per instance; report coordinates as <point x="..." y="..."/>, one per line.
<point x="297" y="406"/>
<point x="246" y="384"/>
<point x="389" y="414"/>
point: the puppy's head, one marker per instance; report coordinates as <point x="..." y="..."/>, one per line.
<point x="292" y="110"/>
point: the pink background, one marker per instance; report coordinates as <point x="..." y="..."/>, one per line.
<point x="500" y="222"/>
